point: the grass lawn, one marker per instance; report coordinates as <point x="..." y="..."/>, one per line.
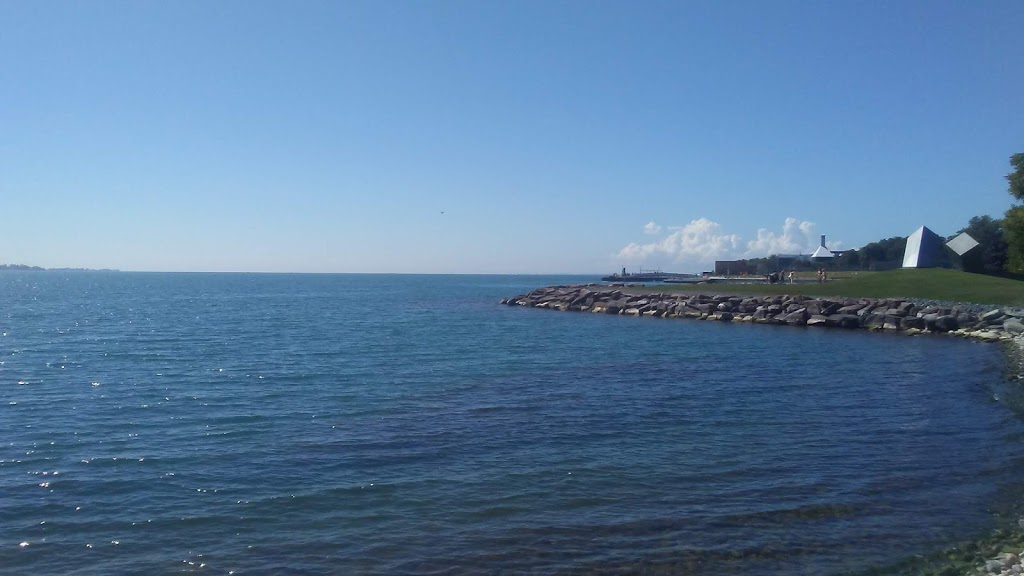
<point x="929" y="283"/>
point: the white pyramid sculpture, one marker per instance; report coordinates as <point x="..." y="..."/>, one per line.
<point x="924" y="249"/>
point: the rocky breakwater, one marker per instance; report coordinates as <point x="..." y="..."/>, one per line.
<point x="902" y="315"/>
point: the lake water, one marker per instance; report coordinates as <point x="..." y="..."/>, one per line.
<point x="385" y="424"/>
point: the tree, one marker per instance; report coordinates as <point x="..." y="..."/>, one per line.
<point x="848" y="260"/>
<point x="1016" y="178"/>
<point x="990" y="256"/>
<point x="887" y="252"/>
<point x="1013" y="228"/>
<point x="1013" y="220"/>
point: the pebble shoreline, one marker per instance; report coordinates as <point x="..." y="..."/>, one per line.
<point x="899" y="315"/>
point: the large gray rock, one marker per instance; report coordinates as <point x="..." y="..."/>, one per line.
<point x="992" y="316"/>
<point x="750" y="302"/>
<point x="1013" y="326"/>
<point x="946" y="323"/>
<point x="891" y="322"/>
<point x="796" y="318"/>
<point x="874" y="320"/>
<point x="828" y="308"/>
<point x="913" y="322"/>
<point x="844" y="321"/>
<point x="817" y="320"/>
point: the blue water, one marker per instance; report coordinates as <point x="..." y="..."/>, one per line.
<point x="265" y="424"/>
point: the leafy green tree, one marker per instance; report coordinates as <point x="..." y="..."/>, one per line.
<point x="1013" y="220"/>
<point x="888" y="251"/>
<point x="1016" y="178"/>
<point x="848" y="260"/>
<point x="990" y="256"/>
<point x="1013" y="227"/>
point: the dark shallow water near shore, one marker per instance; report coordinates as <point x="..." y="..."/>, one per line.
<point x="259" y="424"/>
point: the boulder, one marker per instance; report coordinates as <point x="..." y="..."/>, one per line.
<point x="843" y="321"/>
<point x="817" y="320"/>
<point x="913" y="323"/>
<point x="874" y="320"/>
<point x="798" y="317"/>
<point x="945" y="323"/>
<point x="828" y="308"/>
<point x="1013" y="326"/>
<point x="992" y="316"/>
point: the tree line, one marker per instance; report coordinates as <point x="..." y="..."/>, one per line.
<point x="1000" y="247"/>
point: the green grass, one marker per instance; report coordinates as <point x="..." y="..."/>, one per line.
<point x="928" y="283"/>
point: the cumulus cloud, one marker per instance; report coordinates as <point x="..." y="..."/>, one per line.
<point x="702" y="241"/>
<point x="796" y="238"/>
<point x="699" y="241"/>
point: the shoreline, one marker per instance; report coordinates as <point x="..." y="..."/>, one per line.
<point x="998" y="551"/>
<point x="897" y="315"/>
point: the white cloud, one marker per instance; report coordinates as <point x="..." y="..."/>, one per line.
<point x="796" y="238"/>
<point x="702" y="241"/>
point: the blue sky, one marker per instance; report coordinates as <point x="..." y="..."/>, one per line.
<point x="495" y="137"/>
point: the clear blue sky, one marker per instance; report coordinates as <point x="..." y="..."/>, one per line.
<point x="517" y="137"/>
